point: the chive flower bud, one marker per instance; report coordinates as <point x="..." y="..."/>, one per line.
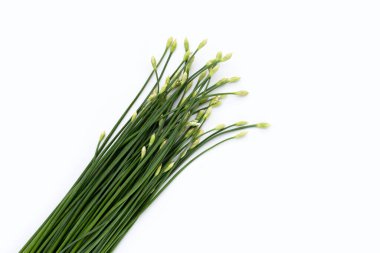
<point x="241" y="123"/>
<point x="173" y="46"/>
<point x="219" y="56"/>
<point x="241" y="134"/>
<point x="189" y="132"/>
<point x="227" y="57"/>
<point x="183" y="77"/>
<point x="219" y="127"/>
<point x="186" y="44"/>
<point x="188" y="87"/>
<point x="195" y="143"/>
<point x="207" y="113"/>
<point x="234" y="79"/>
<point x="152" y="139"/>
<point x="143" y="152"/>
<point x="183" y="154"/>
<point x="163" y="144"/>
<point x="262" y="125"/>
<point x="167" y="81"/>
<point x="241" y="93"/>
<point x="202" y="76"/>
<point x="213" y="70"/>
<point x="134" y="115"/>
<point x="200" y="114"/>
<point x="202" y="44"/>
<point x="154" y="62"/>
<point x="102" y="135"/>
<point x="169" y="42"/>
<point x="186" y="56"/>
<point x="158" y="170"/>
<point x="170" y="165"/>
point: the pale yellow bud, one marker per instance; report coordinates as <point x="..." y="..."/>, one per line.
<point x="200" y="114"/>
<point x="102" y="135"/>
<point x="202" y="76"/>
<point x="154" y="62"/>
<point x="241" y="134"/>
<point x="241" y="93"/>
<point x="241" y="123"/>
<point x="183" y="77"/>
<point x="186" y="56"/>
<point x="186" y="44"/>
<point x="219" y="127"/>
<point x="207" y="113"/>
<point x="173" y="46"/>
<point x="170" y="165"/>
<point x="195" y="143"/>
<point x="143" y="152"/>
<point x="202" y="44"/>
<point x="189" y="132"/>
<point x="263" y="125"/>
<point x="219" y="56"/>
<point x="134" y="115"/>
<point x="227" y="57"/>
<point x="234" y="79"/>
<point x="183" y="154"/>
<point x="169" y="42"/>
<point x="158" y="170"/>
<point x="152" y="139"/>
<point x="163" y="144"/>
<point x="213" y="70"/>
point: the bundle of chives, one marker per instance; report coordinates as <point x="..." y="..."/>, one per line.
<point x="140" y="157"/>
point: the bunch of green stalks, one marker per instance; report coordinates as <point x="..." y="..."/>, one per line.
<point x="141" y="156"/>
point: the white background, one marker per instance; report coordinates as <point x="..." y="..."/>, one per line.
<point x="310" y="183"/>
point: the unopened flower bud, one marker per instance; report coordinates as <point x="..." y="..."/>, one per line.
<point x="213" y="70"/>
<point x="241" y="134"/>
<point x="241" y="123"/>
<point x="134" y="115"/>
<point x="158" y="170"/>
<point x="202" y="44"/>
<point x="154" y="62"/>
<point x="143" y="152"/>
<point x="200" y="114"/>
<point x="189" y="132"/>
<point x="186" y="44"/>
<point x="234" y="79"/>
<point x="163" y="144"/>
<point x="195" y="143"/>
<point x="188" y="87"/>
<point x="173" y="46"/>
<point x="186" y="56"/>
<point x="227" y="57"/>
<point x="169" y="42"/>
<point x="202" y="76"/>
<point x="207" y="113"/>
<point x="219" y="127"/>
<point x="102" y="135"/>
<point x="170" y="165"/>
<point x="183" y="77"/>
<point x="152" y="139"/>
<point x="219" y="56"/>
<point x="183" y="154"/>
<point x="263" y="125"/>
<point x="241" y="93"/>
